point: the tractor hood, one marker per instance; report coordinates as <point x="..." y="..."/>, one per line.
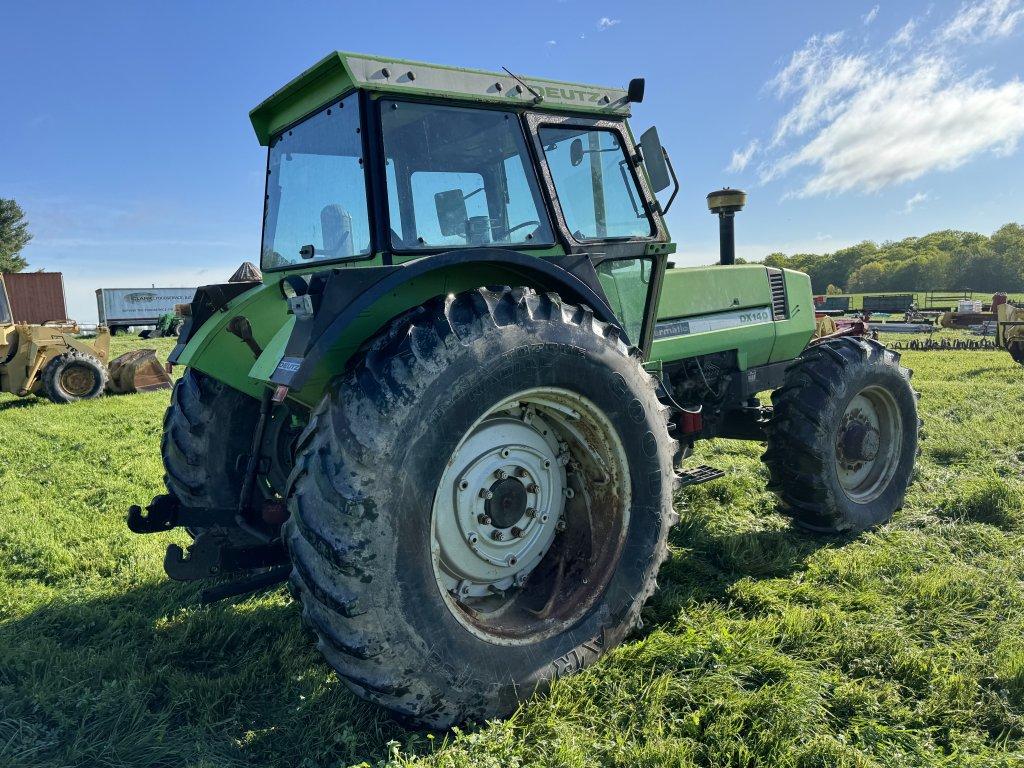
<point x="340" y="71"/>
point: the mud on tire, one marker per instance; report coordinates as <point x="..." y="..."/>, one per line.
<point x="362" y="500"/>
<point x="823" y="483"/>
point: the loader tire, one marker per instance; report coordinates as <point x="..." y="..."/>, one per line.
<point x="73" y="376"/>
<point x="433" y="598"/>
<point x="843" y="438"/>
<point x="208" y="428"/>
<point x="1016" y="349"/>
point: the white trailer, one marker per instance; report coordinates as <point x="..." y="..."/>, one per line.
<point x="120" y="308"/>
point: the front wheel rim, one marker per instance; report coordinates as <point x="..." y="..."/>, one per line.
<point x="530" y="515"/>
<point x="77" y="380"/>
<point x="869" y="444"/>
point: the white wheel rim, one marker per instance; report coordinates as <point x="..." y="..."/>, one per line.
<point x="511" y="487"/>
<point x="868" y="444"/>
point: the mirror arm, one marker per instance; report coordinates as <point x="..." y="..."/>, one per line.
<point x="675" y="182"/>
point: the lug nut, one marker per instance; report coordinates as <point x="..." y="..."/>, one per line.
<point x="518" y="532"/>
<point x="533" y="488"/>
<point x="483" y="519"/>
<point x="501" y="474"/>
<point x="521" y="472"/>
<point x="560" y="526"/>
<point x="497" y="535"/>
<point x="531" y="512"/>
<point x="485" y="494"/>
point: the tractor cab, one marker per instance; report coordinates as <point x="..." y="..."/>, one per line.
<point x="414" y="160"/>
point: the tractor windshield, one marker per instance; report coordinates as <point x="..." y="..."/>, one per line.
<point x="316" y="190"/>
<point x="459" y="177"/>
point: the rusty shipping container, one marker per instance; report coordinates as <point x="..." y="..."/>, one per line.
<point x="36" y="297"/>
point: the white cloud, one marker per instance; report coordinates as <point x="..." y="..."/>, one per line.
<point x="984" y="20"/>
<point x="915" y="200"/>
<point x="551" y="43"/>
<point x="741" y="157"/>
<point x="906" y="33"/>
<point x="821" y="78"/>
<point x="605" y="23"/>
<point x="860" y="120"/>
<point x="870" y="16"/>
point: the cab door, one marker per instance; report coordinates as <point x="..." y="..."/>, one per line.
<point x="603" y="208"/>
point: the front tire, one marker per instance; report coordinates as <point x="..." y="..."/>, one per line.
<point x="430" y="596"/>
<point x="843" y="438"/>
<point x="73" y="376"/>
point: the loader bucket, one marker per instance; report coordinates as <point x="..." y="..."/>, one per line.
<point x="137" y="371"/>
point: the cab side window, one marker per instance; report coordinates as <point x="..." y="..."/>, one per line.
<point x="595" y="185"/>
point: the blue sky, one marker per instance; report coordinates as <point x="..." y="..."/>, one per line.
<point x="125" y="133"/>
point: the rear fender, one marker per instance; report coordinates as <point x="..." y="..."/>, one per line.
<point x="350" y="305"/>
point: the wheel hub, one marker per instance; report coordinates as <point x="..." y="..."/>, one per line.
<point x="507" y="486"/>
<point x="77" y="380"/>
<point x="868" y="443"/>
<point x="860" y="442"/>
<point x="507" y="504"/>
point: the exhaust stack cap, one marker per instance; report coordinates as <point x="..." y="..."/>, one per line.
<point x="726" y="201"/>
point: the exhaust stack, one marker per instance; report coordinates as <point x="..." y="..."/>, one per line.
<point x="726" y="203"/>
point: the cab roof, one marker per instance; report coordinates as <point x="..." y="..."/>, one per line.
<point x="340" y="71"/>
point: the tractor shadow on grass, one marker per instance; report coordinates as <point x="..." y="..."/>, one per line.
<point x="705" y="563"/>
<point x="147" y="677"/>
<point x="22" y="402"/>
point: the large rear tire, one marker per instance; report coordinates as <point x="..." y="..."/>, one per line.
<point x="480" y="504"/>
<point x="843" y="438"/>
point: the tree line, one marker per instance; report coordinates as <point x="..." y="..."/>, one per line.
<point x="14" y="236"/>
<point x="946" y="260"/>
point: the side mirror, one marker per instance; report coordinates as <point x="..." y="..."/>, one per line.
<point x="452" y="215"/>
<point x="635" y="92"/>
<point x="576" y="152"/>
<point x="654" y="160"/>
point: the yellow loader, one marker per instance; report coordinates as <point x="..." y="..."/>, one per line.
<point x="51" y="360"/>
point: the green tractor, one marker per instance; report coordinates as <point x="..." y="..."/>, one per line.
<point x="453" y="412"/>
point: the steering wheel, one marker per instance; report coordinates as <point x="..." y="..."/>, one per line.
<point x="510" y="230"/>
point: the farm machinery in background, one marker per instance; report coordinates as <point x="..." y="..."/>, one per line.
<point x="997" y="323"/>
<point x="52" y="360"/>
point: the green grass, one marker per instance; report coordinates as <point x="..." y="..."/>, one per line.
<point x="762" y="647"/>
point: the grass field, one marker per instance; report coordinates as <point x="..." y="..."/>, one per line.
<point x="762" y="647"/>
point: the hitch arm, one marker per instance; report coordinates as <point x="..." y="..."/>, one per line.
<point x="166" y="512"/>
